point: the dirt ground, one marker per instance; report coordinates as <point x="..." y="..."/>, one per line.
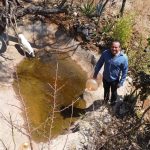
<point x="142" y="14"/>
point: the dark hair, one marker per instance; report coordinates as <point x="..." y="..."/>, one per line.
<point x="115" y="40"/>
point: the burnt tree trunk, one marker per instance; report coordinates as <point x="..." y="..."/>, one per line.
<point x="38" y="10"/>
<point x="122" y="7"/>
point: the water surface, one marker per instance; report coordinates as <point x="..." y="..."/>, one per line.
<point x="38" y="85"/>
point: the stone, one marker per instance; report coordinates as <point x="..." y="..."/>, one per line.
<point x="75" y="14"/>
<point x="129" y="79"/>
<point x="145" y="106"/>
<point x="147" y="49"/>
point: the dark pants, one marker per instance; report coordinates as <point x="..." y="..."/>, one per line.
<point x="110" y="85"/>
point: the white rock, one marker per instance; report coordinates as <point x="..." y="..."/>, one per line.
<point x="25" y="45"/>
<point x="75" y="14"/>
<point x="129" y="79"/>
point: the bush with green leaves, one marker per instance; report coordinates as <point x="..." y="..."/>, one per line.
<point x="148" y="40"/>
<point x="122" y="30"/>
<point x="139" y="59"/>
<point x="88" y="8"/>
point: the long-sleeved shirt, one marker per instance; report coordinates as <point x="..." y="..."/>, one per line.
<point x="115" y="67"/>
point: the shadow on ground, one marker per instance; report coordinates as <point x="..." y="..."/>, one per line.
<point x="68" y="112"/>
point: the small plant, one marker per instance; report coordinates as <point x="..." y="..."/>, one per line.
<point x="108" y="26"/>
<point x="148" y="40"/>
<point x="139" y="59"/>
<point x="123" y="30"/>
<point x="88" y="8"/>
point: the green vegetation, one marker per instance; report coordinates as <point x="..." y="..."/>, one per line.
<point x="107" y="27"/>
<point x="122" y="30"/>
<point x="88" y="8"/>
<point x="138" y="59"/>
<point x="148" y="40"/>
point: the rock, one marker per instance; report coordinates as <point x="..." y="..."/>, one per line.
<point x="136" y="44"/>
<point x="95" y="19"/>
<point x="147" y="49"/>
<point x="129" y="79"/>
<point x="92" y="47"/>
<point x="75" y="14"/>
<point x="85" y="32"/>
<point x="91" y="96"/>
<point x="145" y="106"/>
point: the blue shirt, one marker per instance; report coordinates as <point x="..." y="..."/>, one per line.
<point x="115" y="67"/>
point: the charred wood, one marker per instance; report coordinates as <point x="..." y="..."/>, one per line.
<point x="38" y="10"/>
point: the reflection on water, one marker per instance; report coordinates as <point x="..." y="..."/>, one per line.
<point x="37" y="84"/>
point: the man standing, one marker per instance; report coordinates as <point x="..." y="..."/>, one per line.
<point x="115" y="70"/>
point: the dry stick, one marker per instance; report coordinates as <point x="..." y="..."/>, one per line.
<point x="69" y="105"/>
<point x="44" y="123"/>
<point x="61" y="87"/>
<point x="15" y="30"/>
<point x="51" y="86"/>
<point x="139" y="123"/>
<point x="15" y="106"/>
<point x="25" y="112"/>
<point x="12" y="131"/>
<point x="15" y="126"/>
<point x="3" y="144"/>
<point x="122" y="7"/>
<point x="69" y="126"/>
<point x="6" y="58"/>
<point x="47" y="119"/>
<point x="54" y="104"/>
<point x="103" y="7"/>
<point x="136" y="127"/>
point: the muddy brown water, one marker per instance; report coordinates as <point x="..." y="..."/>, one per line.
<point x="37" y="78"/>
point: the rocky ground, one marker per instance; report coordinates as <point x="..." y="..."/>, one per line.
<point x="10" y="107"/>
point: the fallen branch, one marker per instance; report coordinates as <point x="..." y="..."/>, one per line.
<point x="38" y="10"/>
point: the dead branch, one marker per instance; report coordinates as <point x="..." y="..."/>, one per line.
<point x="122" y="7"/>
<point x="54" y="104"/>
<point x="71" y="105"/>
<point x="15" y="126"/>
<point x="69" y="127"/>
<point x="15" y="106"/>
<point x="139" y="123"/>
<point x="38" y="10"/>
<point x="12" y="131"/>
<point x="5" y="147"/>
<point x="25" y="112"/>
<point x="6" y="58"/>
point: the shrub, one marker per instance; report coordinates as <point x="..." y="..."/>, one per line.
<point x="122" y="30"/>
<point x="88" y="8"/>
<point x="148" y="40"/>
<point x="139" y="60"/>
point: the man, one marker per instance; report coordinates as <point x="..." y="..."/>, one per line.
<point x="115" y="70"/>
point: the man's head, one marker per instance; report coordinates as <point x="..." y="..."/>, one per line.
<point x="115" y="47"/>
